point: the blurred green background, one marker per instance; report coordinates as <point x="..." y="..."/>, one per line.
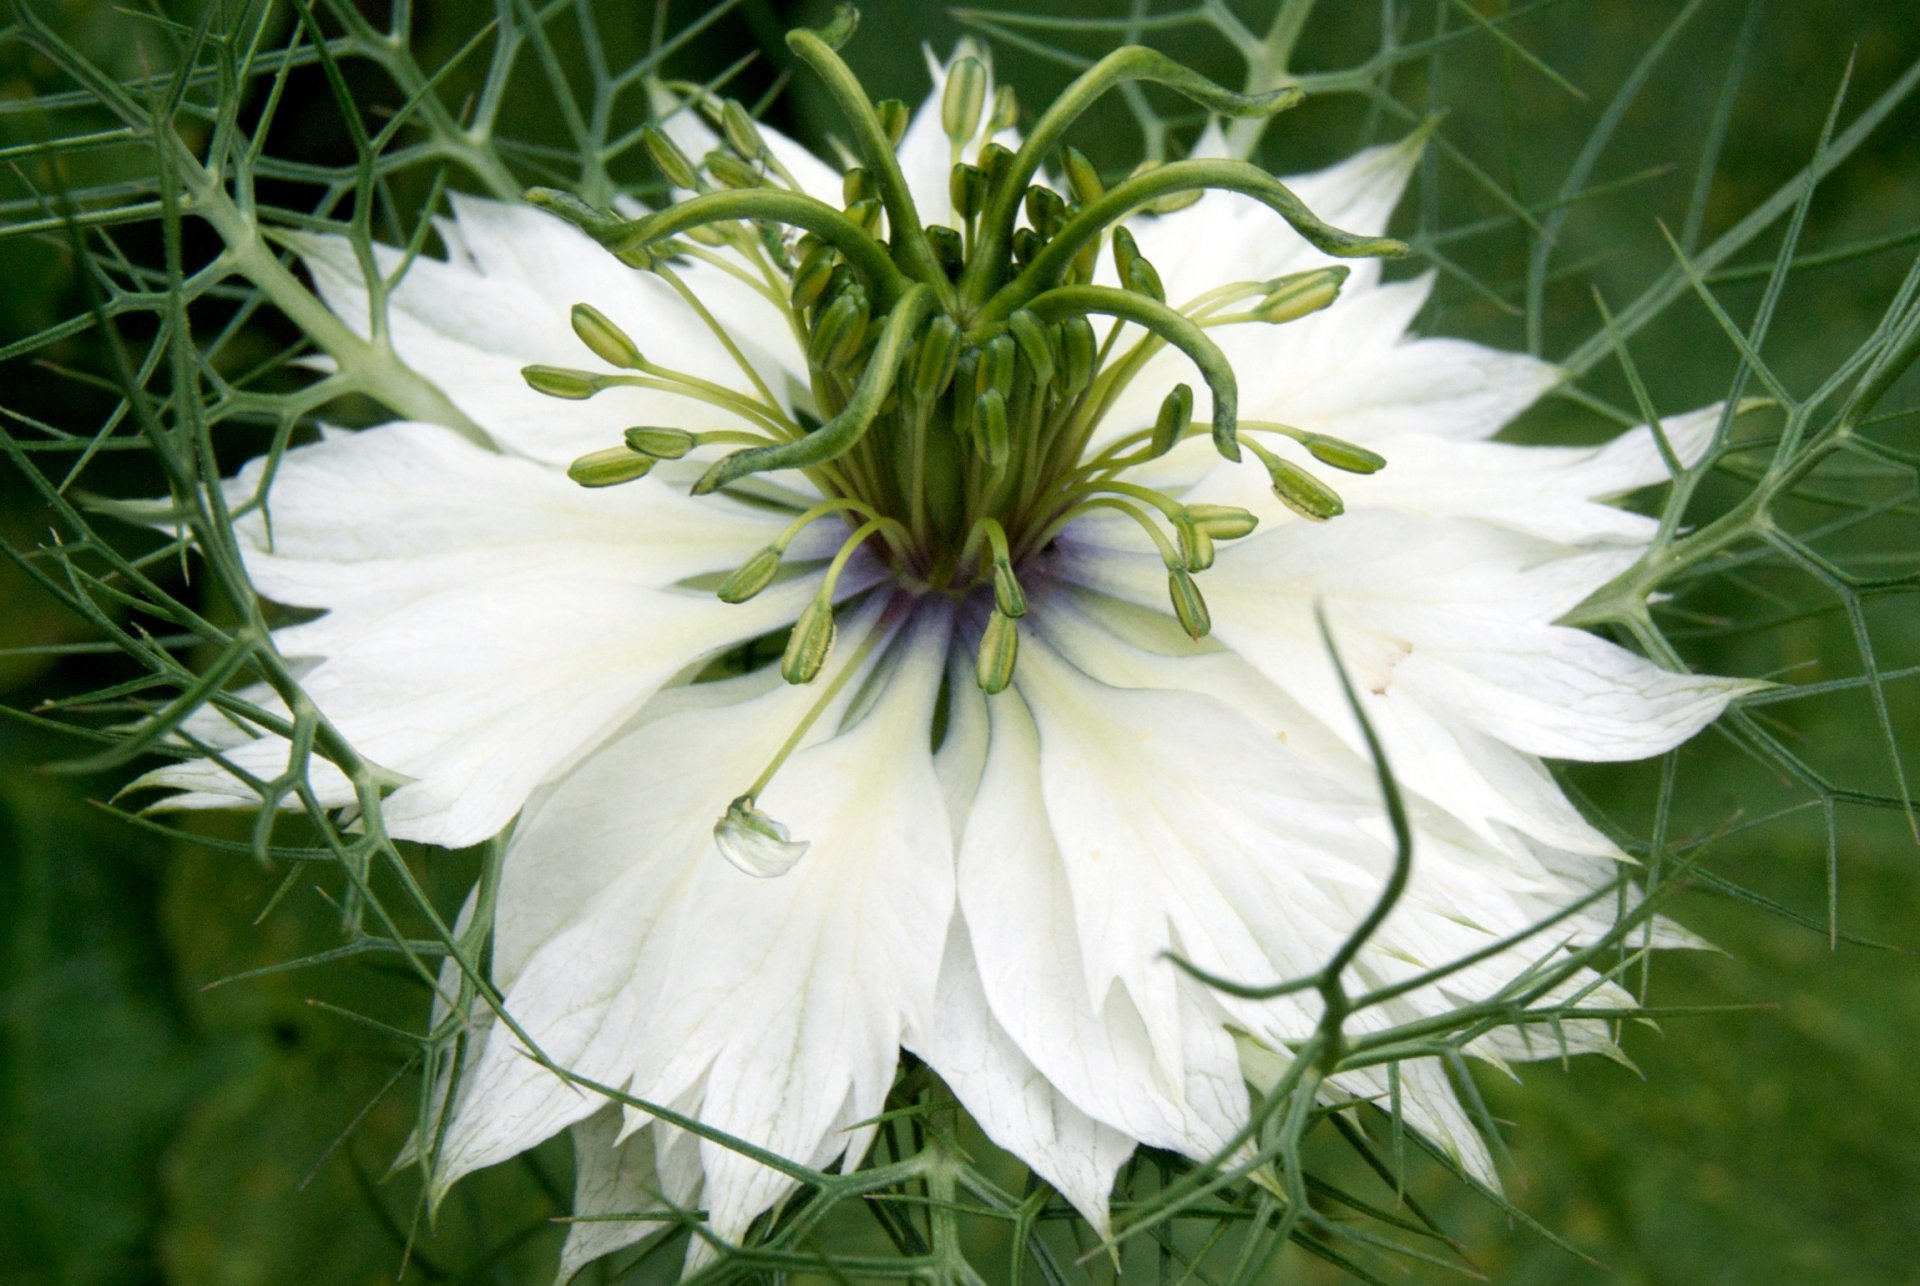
<point x="151" y="1129"/>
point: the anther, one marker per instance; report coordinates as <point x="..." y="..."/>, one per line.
<point x="752" y="576"/>
<point x="742" y="135"/>
<point x="934" y="360"/>
<point x="1030" y="337"/>
<point x="1078" y="350"/>
<point x="660" y="443"/>
<point x="991" y="440"/>
<point x="1299" y="490"/>
<point x="607" y="341"/>
<point x="1188" y="606"/>
<point x="610" y="468"/>
<point x="837" y="335"/>
<point x="999" y="649"/>
<point x="965" y="98"/>
<point x="967" y="189"/>
<point x="558" y="381"/>
<point x="810" y="642"/>
<point x="1176" y="415"/>
<point x="729" y="171"/>
<point x="893" y="116"/>
<point x="673" y="163"/>
<point x="1082" y="179"/>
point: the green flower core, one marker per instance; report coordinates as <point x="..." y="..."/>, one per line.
<point x="957" y="372"/>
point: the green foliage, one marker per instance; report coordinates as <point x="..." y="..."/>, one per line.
<point x="164" y="164"/>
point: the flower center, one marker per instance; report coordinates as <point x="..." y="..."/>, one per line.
<point x="961" y="387"/>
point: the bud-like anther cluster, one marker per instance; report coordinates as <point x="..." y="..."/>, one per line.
<point x="958" y="371"/>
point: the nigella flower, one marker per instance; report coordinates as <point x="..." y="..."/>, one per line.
<point x="884" y="606"/>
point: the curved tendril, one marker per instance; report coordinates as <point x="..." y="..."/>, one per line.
<point x="910" y="246"/>
<point x="1171" y="326"/>
<point x="767" y="205"/>
<point x="1181" y="176"/>
<point x="837" y="435"/>
<point x="1132" y="63"/>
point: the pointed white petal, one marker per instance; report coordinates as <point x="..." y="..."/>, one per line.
<point x="470" y="324"/>
<point x="598" y="871"/>
<point x="1397" y="589"/>
<point x="1013" y="1102"/>
<point x="487" y="621"/>
<point x="774" y="1009"/>
<point x="1106" y="1053"/>
<point x="614" y="1176"/>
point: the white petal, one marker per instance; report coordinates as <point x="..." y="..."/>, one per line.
<point x="1018" y="1107"/>
<point x="471" y="323"/>
<point x="1107" y="1054"/>
<point x="488" y="622"/>
<point x="615" y="1176"/>
<point x="1394" y="589"/>
<point x="774" y="1008"/>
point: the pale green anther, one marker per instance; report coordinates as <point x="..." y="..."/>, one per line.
<point x="999" y="648"/>
<point x="729" y="171"/>
<point x="1046" y="211"/>
<point x="1082" y="179"/>
<point x="1136" y="274"/>
<point x="752" y="576"/>
<point x="866" y="213"/>
<point x="837" y="334"/>
<point x="1125" y="250"/>
<point x="996" y="366"/>
<point x="1343" y="455"/>
<point x="1301" y="294"/>
<point x="808" y="645"/>
<point x="1303" y="493"/>
<point x="1008" y="597"/>
<point x="607" y="341"/>
<point x="1196" y="545"/>
<point x="742" y="135"/>
<point x="967" y="189"/>
<point x="669" y="159"/>
<point x="949" y="249"/>
<point x="1189" y="608"/>
<point x="857" y="185"/>
<point x="991" y="440"/>
<point x="558" y="381"/>
<point x="1006" y="110"/>
<point x="1078" y="351"/>
<point x="965" y="98"/>
<point x="660" y="443"/>
<point x="893" y="115"/>
<point x="811" y="278"/>
<point x="1176" y="413"/>
<point x="996" y="161"/>
<point x="1223" y="522"/>
<point x="935" y="359"/>
<point x="1143" y="278"/>
<point x="1027" y="245"/>
<point x="609" y="468"/>
<point x="1030" y="337"/>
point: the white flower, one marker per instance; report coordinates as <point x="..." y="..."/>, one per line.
<point x="510" y="644"/>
